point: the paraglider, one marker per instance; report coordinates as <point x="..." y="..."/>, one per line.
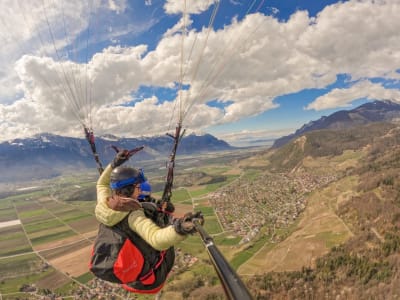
<point x="134" y="246"/>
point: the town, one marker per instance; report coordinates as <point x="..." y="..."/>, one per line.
<point x="273" y="199"/>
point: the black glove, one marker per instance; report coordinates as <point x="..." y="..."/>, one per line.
<point x="169" y="207"/>
<point x="198" y="216"/>
<point x="121" y="157"/>
<point x="185" y="224"/>
<point x="150" y="210"/>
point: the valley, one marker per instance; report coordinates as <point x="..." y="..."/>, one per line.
<point x="243" y="206"/>
<point x="288" y="220"/>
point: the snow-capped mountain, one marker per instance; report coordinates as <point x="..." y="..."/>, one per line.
<point x="47" y="155"/>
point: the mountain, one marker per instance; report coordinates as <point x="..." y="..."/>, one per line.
<point x="332" y="142"/>
<point x="376" y="111"/>
<point x="46" y="155"/>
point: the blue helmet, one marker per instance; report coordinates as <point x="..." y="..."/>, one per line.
<point x="145" y="190"/>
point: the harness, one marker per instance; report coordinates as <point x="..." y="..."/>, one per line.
<point x="122" y="256"/>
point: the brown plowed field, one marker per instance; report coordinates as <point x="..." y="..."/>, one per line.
<point x="53" y="280"/>
<point x="74" y="263"/>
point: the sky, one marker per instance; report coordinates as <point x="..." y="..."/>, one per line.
<point x="245" y="71"/>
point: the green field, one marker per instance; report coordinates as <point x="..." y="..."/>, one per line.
<point x="7" y="213"/>
<point x="13" y="242"/>
<point x="37" y="226"/>
<point x="18" y="270"/>
<point x="179" y="196"/>
<point x="50" y="235"/>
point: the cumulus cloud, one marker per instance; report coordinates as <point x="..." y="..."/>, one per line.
<point x="360" y="90"/>
<point x="356" y="37"/>
<point x="241" y="68"/>
<point x="191" y="7"/>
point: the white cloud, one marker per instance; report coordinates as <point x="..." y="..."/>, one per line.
<point x="361" y="90"/>
<point x="25" y="30"/>
<point x="244" y="65"/>
<point x="187" y="6"/>
<point x="184" y="23"/>
<point x="117" y="5"/>
<point x="254" y="137"/>
<point x="356" y="37"/>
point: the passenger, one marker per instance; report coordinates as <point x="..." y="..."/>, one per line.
<point x="155" y="210"/>
<point x="118" y="189"/>
<point x="145" y="193"/>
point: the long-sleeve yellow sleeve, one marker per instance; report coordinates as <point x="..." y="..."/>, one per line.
<point x="157" y="237"/>
<point x="104" y="214"/>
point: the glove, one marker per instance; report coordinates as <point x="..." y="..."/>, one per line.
<point x="150" y="210"/>
<point x="185" y="224"/>
<point x="198" y="216"/>
<point x="169" y="207"/>
<point x="123" y="204"/>
<point x="164" y="220"/>
<point x="121" y="157"/>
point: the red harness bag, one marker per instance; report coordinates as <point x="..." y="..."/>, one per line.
<point x="114" y="257"/>
<point x="120" y="255"/>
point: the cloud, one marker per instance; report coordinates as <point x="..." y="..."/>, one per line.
<point x="25" y="30"/>
<point x="254" y="137"/>
<point x="241" y="67"/>
<point x="117" y="5"/>
<point x="360" y="90"/>
<point x="355" y="37"/>
<point x="191" y="7"/>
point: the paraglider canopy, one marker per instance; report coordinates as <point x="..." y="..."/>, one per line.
<point x="92" y="64"/>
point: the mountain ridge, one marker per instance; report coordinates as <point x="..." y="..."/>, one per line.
<point x="46" y="155"/>
<point x="375" y="111"/>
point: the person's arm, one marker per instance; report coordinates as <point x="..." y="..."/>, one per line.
<point x="104" y="214"/>
<point x="157" y="237"/>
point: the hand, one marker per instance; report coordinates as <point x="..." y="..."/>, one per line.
<point x="185" y="224"/>
<point x="199" y="217"/>
<point x="123" y="204"/>
<point x="121" y="157"/>
<point x="169" y="208"/>
<point x="150" y="209"/>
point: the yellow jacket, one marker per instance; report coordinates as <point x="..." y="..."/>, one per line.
<point x="159" y="238"/>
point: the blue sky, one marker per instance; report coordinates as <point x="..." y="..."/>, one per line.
<point x="258" y="70"/>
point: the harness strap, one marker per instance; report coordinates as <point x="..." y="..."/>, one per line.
<point x="161" y="259"/>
